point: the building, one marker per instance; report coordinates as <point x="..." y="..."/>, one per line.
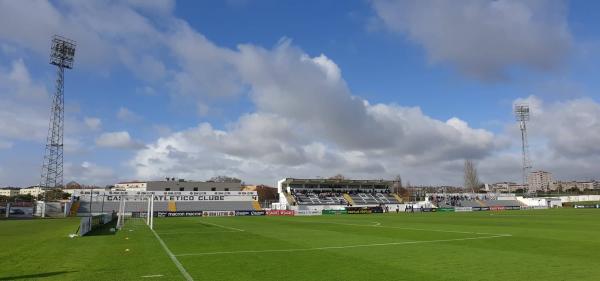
<point x="503" y="187"/>
<point x="540" y="181"/>
<point x="9" y="192"/>
<point x="576" y="185"/>
<point x="178" y="185"/>
<point x="131" y="185"/>
<point x="34" y="191"/>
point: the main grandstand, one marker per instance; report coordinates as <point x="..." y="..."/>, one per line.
<point x="169" y="197"/>
<point x="310" y="194"/>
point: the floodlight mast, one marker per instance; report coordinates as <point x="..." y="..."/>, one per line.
<point x="522" y="116"/>
<point x="62" y="55"/>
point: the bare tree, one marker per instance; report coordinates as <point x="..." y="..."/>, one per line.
<point x="471" y="178"/>
<point x="397" y="185"/>
<point x="224" y="179"/>
<point x="338" y="177"/>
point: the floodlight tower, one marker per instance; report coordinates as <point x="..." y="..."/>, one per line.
<point x="62" y="55"/>
<point x="522" y="115"/>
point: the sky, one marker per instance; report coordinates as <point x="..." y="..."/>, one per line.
<point x="263" y="90"/>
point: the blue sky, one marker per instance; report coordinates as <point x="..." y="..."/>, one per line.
<point x="263" y="90"/>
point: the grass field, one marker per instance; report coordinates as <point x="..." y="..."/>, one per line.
<point x="562" y="244"/>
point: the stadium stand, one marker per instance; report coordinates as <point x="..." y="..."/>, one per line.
<point x="472" y="200"/>
<point x="327" y="192"/>
<point x="133" y="206"/>
<point x="185" y="201"/>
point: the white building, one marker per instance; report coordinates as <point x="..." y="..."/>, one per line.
<point x="579" y="185"/>
<point x="132" y="185"/>
<point x="540" y="181"/>
<point x="178" y="185"/>
<point x="503" y="187"/>
<point x="9" y="192"/>
<point x="34" y="191"/>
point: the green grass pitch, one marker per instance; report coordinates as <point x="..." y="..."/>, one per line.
<point x="561" y="244"/>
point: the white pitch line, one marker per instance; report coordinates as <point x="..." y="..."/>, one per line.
<point x="196" y="232"/>
<point x="340" y="247"/>
<point x="185" y="274"/>
<point x="152" y="276"/>
<point x="222" y="226"/>
<point x="410" y="228"/>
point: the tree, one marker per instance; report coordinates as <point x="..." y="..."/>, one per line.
<point x="397" y="183"/>
<point x="224" y="179"/>
<point x="470" y="177"/>
<point x="23" y="198"/>
<point x="55" y="194"/>
<point x="73" y="185"/>
<point x="338" y="177"/>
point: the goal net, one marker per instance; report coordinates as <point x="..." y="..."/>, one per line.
<point x="135" y="210"/>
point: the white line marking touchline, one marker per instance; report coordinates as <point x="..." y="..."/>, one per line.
<point x="185" y="274"/>
<point x="195" y="232"/>
<point x="410" y="228"/>
<point x="341" y="247"/>
<point x="222" y="226"/>
<point x="152" y="276"/>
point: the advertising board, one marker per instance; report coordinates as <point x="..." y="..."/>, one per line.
<point x="280" y="213"/>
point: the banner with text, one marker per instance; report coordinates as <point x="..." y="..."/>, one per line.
<point x="250" y="213"/>
<point x="280" y="213"/>
<point x="163" y="196"/>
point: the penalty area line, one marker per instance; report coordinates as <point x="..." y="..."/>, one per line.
<point x="174" y="259"/>
<point x="341" y="247"/>
<point x="222" y="226"/>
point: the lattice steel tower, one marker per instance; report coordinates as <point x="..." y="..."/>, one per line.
<point x="522" y="115"/>
<point x="62" y="55"/>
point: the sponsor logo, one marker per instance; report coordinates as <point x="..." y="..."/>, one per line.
<point x="334" y="212"/>
<point x="280" y="213"/>
<point x="179" y="214"/>
<point x="250" y="213"/>
<point x="308" y="213"/>
<point x="218" y="213"/>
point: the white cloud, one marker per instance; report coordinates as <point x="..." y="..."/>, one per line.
<point x="308" y="123"/>
<point x="484" y="39"/>
<point x="89" y="173"/>
<point x="93" y="123"/>
<point x="120" y="140"/>
<point x="24" y="106"/>
<point x="127" y="115"/>
<point x="5" y="144"/>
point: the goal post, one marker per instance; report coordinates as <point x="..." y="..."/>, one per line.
<point x="121" y="213"/>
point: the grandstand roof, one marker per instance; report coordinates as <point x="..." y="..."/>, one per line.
<point x="336" y="181"/>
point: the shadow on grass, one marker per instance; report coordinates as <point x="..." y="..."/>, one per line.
<point x="104" y="229"/>
<point x="35" y="276"/>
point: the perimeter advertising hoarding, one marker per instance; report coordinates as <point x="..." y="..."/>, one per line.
<point x="463" y="209"/>
<point x="178" y="214"/>
<point x="445" y="209"/>
<point x="308" y="213"/>
<point x="196" y="214"/>
<point x="586" y="206"/>
<point x="280" y="213"/>
<point x="363" y="210"/>
<point x="334" y="212"/>
<point x="250" y="213"/>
